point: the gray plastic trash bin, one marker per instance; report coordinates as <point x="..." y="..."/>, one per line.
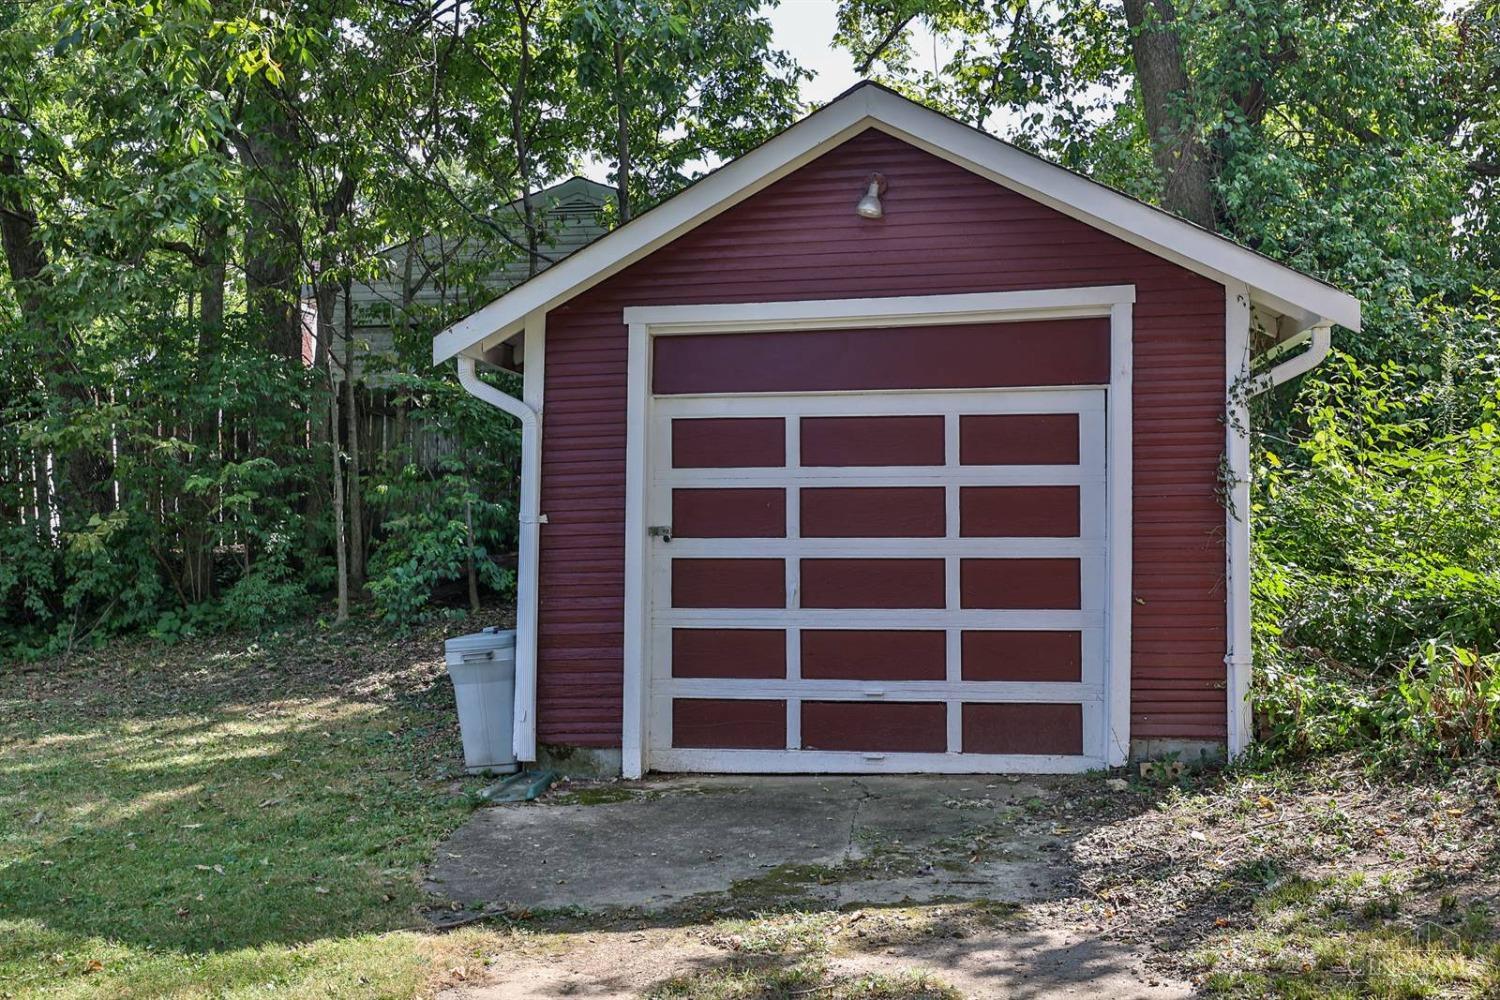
<point x="483" y="668"/>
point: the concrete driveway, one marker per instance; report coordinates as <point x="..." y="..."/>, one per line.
<point x="652" y="868"/>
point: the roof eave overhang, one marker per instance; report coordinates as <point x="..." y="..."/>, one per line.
<point x="1302" y="299"/>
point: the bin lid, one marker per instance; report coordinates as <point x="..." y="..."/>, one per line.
<point x="478" y="642"/>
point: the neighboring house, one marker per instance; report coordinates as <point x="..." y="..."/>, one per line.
<point x="440" y="273"/>
<point x="952" y="482"/>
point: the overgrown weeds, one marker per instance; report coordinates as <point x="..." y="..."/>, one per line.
<point x="1377" y="571"/>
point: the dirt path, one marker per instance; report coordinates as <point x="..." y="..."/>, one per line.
<point x="1018" y="961"/>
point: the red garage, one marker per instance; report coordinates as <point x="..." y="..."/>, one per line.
<point x="889" y="447"/>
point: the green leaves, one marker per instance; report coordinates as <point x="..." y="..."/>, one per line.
<point x="186" y="177"/>
<point x="1377" y="544"/>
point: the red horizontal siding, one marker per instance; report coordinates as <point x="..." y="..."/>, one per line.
<point x="945" y="231"/>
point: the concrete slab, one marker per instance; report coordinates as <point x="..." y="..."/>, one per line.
<point x="865" y="847"/>
<point x="679" y="838"/>
<point x="650" y="851"/>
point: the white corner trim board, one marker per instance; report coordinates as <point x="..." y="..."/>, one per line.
<point x="1237" y="661"/>
<point x="647" y="322"/>
<point x="1285" y="290"/>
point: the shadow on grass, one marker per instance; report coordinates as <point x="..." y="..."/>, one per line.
<point x="152" y="810"/>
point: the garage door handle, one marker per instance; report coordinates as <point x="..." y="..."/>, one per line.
<point x="874" y="692"/>
<point x="662" y="531"/>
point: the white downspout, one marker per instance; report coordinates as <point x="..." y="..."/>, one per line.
<point x="1237" y="525"/>
<point x="1317" y="350"/>
<point x="526" y="568"/>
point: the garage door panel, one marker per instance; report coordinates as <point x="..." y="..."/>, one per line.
<point x="728" y="583"/>
<point x="728" y="442"/>
<point x="1021" y="584"/>
<point x="1029" y="728"/>
<point x="1026" y="511"/>
<point x="873" y="512"/>
<point x="872" y="441"/>
<point x="729" y="513"/>
<point x="728" y="652"/>
<point x="952" y="356"/>
<point x="1019" y="439"/>
<point x="729" y="723"/>
<point x="1022" y="655"/>
<point x="875" y="726"/>
<point x="873" y="583"/>
<point x="874" y="654"/>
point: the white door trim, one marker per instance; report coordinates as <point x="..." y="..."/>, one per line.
<point x="645" y="322"/>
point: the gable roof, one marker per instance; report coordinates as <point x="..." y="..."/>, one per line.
<point x="1304" y="300"/>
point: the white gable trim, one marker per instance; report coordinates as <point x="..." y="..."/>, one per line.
<point x="1274" y="285"/>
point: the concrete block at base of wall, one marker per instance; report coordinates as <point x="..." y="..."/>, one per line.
<point x="578" y="762"/>
<point x="1187" y="751"/>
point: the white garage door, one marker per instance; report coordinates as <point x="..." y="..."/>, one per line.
<point x="901" y="581"/>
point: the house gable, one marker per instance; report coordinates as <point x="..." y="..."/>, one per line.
<point x="1302" y="300"/>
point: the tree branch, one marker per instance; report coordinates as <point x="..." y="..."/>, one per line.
<point x="885" y="43"/>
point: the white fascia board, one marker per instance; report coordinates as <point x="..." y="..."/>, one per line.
<point x="1280" y="288"/>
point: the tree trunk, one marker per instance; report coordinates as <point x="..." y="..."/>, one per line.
<point x="473" y="573"/>
<point x="24" y="253"/>
<point x="337" y="479"/>
<point x="1181" y="156"/>
<point x="325" y="401"/>
<point x="82" y="486"/>
<point x="622" y="137"/>
<point x="213" y="275"/>
<point x="351" y="416"/>
<point x="197" y="539"/>
<point x="26" y="260"/>
<point x="273" y="237"/>
<point x="519" y="96"/>
<point x="326" y="293"/>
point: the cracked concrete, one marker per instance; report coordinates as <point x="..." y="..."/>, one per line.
<point x="685" y="837"/>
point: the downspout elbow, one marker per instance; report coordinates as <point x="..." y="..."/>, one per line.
<point x="468" y="377"/>
<point x="1317" y="349"/>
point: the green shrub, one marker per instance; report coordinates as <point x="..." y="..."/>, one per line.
<point x="1377" y="543"/>
<point x="1447" y="700"/>
<point x="438" y="525"/>
<point x="439" y="516"/>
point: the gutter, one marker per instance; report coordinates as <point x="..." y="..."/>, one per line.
<point x="530" y="534"/>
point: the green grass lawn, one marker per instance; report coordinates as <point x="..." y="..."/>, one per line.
<point x="228" y="819"/>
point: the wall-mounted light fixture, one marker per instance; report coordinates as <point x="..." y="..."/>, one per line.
<point x="869" y="206"/>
